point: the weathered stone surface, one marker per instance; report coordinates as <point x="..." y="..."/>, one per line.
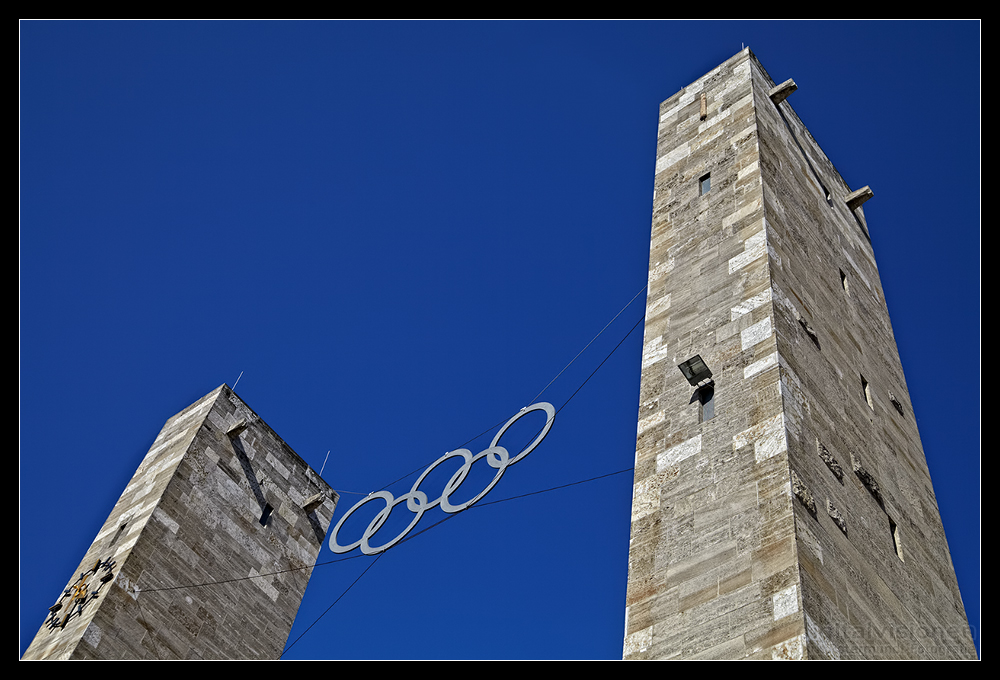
<point x="769" y="275"/>
<point x="196" y="513"/>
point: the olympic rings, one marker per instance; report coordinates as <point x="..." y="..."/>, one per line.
<point x="497" y="457"/>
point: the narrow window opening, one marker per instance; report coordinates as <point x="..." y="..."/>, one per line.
<point x="843" y="282"/>
<point x="868" y="392"/>
<point x="705" y="183"/>
<point x="706" y="403"/>
<point x="266" y="515"/>
<point x="896" y="545"/>
<point x="121" y="530"/>
<point x="895" y="402"/>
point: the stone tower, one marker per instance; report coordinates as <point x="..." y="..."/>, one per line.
<point x="207" y="553"/>
<point x="782" y="506"/>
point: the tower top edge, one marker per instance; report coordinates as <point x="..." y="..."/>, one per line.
<point x="226" y="393"/>
<point x="744" y="55"/>
<point x="699" y="82"/>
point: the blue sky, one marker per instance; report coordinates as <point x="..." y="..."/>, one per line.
<point x="399" y="233"/>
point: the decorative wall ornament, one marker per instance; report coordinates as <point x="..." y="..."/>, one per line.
<point x="77" y="596"/>
<point x="416" y="501"/>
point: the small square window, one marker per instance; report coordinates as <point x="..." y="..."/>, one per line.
<point x="705" y="184"/>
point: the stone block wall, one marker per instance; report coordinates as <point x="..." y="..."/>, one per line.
<point x="712" y="569"/>
<point x="769" y="522"/>
<point x="876" y="573"/>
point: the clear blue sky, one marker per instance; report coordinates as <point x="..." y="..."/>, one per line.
<point x="399" y="233"/>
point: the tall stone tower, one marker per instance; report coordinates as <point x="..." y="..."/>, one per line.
<point x="782" y="506"/>
<point x="207" y="553"/>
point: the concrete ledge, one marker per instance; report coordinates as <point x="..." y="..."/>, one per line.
<point x="779" y="93"/>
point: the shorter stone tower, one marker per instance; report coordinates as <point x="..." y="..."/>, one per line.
<point x="207" y="553"/>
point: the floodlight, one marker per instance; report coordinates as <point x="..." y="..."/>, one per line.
<point x="695" y="370"/>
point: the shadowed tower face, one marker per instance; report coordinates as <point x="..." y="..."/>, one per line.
<point x="218" y="499"/>
<point x="782" y="505"/>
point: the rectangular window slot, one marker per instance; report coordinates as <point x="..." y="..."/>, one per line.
<point x="896" y="404"/>
<point x="705" y="183"/>
<point x="121" y="530"/>
<point x="894" y="530"/>
<point x="868" y="392"/>
<point x="706" y="403"/>
<point x="266" y="515"/>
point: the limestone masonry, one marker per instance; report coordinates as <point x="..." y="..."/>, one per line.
<point x="782" y="506"/>
<point x="221" y="500"/>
